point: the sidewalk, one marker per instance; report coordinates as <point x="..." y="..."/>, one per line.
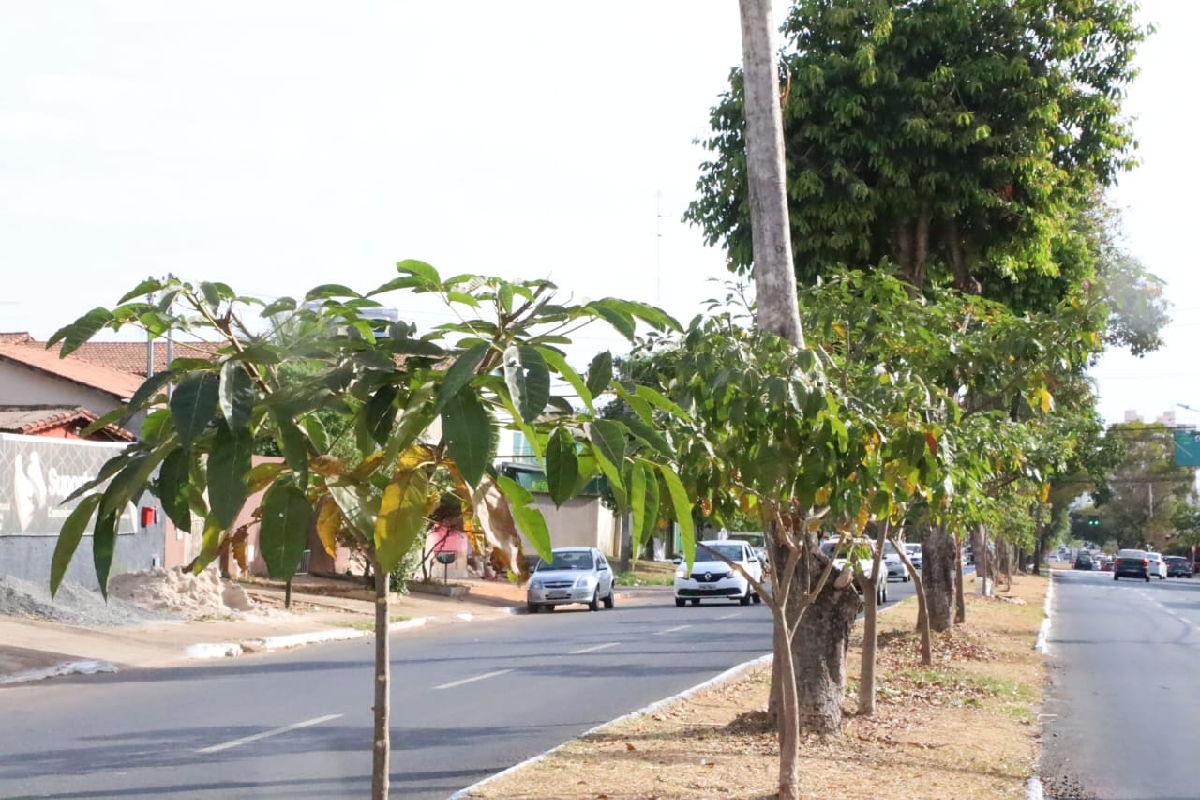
<point x="323" y="610"/>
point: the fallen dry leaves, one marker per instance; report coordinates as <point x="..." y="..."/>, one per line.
<point x="964" y="727"/>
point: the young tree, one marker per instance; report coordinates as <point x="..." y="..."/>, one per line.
<point x="416" y="407"/>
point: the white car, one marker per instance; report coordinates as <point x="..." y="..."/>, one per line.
<point x="895" y="567"/>
<point x="914" y="554"/>
<point x="866" y="563"/>
<point x="711" y="578"/>
<point x="1157" y="565"/>
<point x="574" y="575"/>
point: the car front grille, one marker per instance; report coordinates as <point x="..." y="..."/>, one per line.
<point x="707" y="577"/>
<point x="559" y="584"/>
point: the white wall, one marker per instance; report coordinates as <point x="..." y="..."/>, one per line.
<point x="580" y="522"/>
<point x="23" y="386"/>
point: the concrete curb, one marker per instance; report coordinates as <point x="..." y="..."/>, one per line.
<point x="288" y="641"/>
<point x="65" y="668"/>
<point x="729" y="675"/>
<point x="1033" y="787"/>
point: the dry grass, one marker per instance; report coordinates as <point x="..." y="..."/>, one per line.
<point x="965" y="727"/>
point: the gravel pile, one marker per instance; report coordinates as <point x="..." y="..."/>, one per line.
<point x="73" y="605"/>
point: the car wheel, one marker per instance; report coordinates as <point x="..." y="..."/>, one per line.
<point x="696" y="601"/>
<point x="679" y="602"/>
<point x="594" y="603"/>
<point x="745" y="599"/>
<point x="533" y="608"/>
<point x="757" y="599"/>
<point x="1147" y="579"/>
<point x="611" y="599"/>
<point x="1114" y="577"/>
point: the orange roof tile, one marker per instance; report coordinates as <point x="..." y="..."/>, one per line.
<point x="119" y="384"/>
<point x="31" y="420"/>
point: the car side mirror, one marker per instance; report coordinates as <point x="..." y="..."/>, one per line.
<point x="603" y="567"/>
<point x="676" y="560"/>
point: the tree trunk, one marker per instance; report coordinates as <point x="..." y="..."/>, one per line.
<point x="774" y="273"/>
<point x="819" y="650"/>
<point x="922" y="614"/>
<point x="380" y="764"/>
<point x="287" y="594"/>
<point x="983" y="561"/>
<point x="938" y="557"/>
<point x="960" y="602"/>
<point x="788" y="723"/>
<point x="866" y="683"/>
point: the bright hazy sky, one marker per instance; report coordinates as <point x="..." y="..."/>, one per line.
<point x="279" y="145"/>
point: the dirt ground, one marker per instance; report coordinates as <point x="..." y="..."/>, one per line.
<point x="964" y="728"/>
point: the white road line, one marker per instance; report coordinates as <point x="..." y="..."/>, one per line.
<point x="729" y="616"/>
<point x="308" y="723"/>
<point x="482" y="677"/>
<point x="593" y="648"/>
<point x="672" y="630"/>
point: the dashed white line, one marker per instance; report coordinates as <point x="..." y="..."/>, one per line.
<point x="482" y="677"/>
<point x="308" y="723"/>
<point x="593" y="648"/>
<point x="730" y="616"/>
<point x="672" y="630"/>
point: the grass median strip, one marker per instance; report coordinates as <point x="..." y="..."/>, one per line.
<point x="964" y="727"/>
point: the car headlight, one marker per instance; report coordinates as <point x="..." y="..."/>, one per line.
<point x="681" y="572"/>
<point x="536" y="583"/>
<point x="731" y="574"/>
<point x="583" y="581"/>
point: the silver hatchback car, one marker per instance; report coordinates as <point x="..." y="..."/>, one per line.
<point x="574" y="575"/>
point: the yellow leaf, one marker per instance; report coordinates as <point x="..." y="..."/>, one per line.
<point x="329" y="523"/>
<point x="413" y="457"/>
<point x="1047" y="401"/>
<point x="262" y="475"/>
<point x="823" y="495"/>
<point x="1045" y="492"/>
<point x="367" y="465"/>
<point x="238" y="548"/>
<point x="401" y="516"/>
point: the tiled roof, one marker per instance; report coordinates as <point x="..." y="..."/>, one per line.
<point x="119" y="384"/>
<point x="130" y="357"/>
<point x="31" y="420"/>
<point x="16" y="337"/>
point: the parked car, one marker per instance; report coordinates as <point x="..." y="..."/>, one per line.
<point x="866" y="563"/>
<point x="914" y="554"/>
<point x="1107" y="564"/>
<point x="1083" y="561"/>
<point x="1131" y="563"/>
<point x="712" y="578"/>
<point x="574" y="575"/>
<point x="1178" y="567"/>
<point x="895" y="567"/>
<point x="1157" y="566"/>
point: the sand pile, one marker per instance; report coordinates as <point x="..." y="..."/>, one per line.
<point x="73" y="605"/>
<point x="191" y="596"/>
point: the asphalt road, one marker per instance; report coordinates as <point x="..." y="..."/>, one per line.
<point x="467" y="701"/>
<point x="1123" y="697"/>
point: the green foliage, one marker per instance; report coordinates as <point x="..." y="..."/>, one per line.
<point x="348" y="402"/>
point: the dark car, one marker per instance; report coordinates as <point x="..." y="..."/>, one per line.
<point x="1131" y="564"/>
<point x="1178" y="567"/>
<point x="1083" y="561"/>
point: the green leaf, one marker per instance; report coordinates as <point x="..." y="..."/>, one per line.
<point x="379" y="413"/>
<point x="529" y="520"/>
<point x="656" y="399"/>
<point x="69" y="537"/>
<point x="460" y="373"/>
<point x="562" y="465"/>
<point x="608" y="446"/>
<point x="401" y="516"/>
<point x="104" y="542"/>
<point x="210" y="544"/>
<point x="637" y="505"/>
<point x="600" y="373"/>
<point x="328" y="290"/>
<point x="146" y="392"/>
<point x="113" y="417"/>
<point x="618" y="318"/>
<point x="651" y="504"/>
<point x="462" y="297"/>
<point x="280" y="306"/>
<point x="360" y="514"/>
<point x="559" y="364"/>
<point x="316" y="432"/>
<point x="236" y="395"/>
<point x="172" y="489"/>
<point x="214" y="293"/>
<point x="141" y="290"/>
<point x="422" y="270"/>
<point x="683" y="512"/>
<point x="293" y="442"/>
<point x="467" y="428"/>
<point x="506" y="298"/>
<point x="193" y="405"/>
<point x="228" y="465"/>
<point x="79" y="331"/>
<point x="528" y="380"/>
<point x="286" y="517"/>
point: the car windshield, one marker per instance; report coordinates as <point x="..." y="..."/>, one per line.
<point x="733" y="552"/>
<point x="1177" y="559"/>
<point x="1131" y="554"/>
<point x="889" y="549"/>
<point x="571" y="559"/>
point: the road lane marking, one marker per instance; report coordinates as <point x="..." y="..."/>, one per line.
<point x="729" y="616"/>
<point x="308" y="723"/>
<point x="482" y="677"/>
<point x="673" y="630"/>
<point x="593" y="648"/>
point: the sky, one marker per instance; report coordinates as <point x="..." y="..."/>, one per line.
<point x="280" y="145"/>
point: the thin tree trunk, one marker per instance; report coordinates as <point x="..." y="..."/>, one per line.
<point x="988" y="570"/>
<point x="774" y="273"/>
<point x="789" y="722"/>
<point x="380" y="765"/>
<point x="922" y="616"/>
<point x="287" y="594"/>
<point x="960" y="602"/>
<point x="866" y="684"/>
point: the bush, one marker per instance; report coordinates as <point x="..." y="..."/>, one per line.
<point x="405" y="571"/>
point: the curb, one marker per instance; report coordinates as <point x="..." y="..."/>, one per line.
<point x="58" y="670"/>
<point x="1033" y="787"/>
<point x="731" y="674"/>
